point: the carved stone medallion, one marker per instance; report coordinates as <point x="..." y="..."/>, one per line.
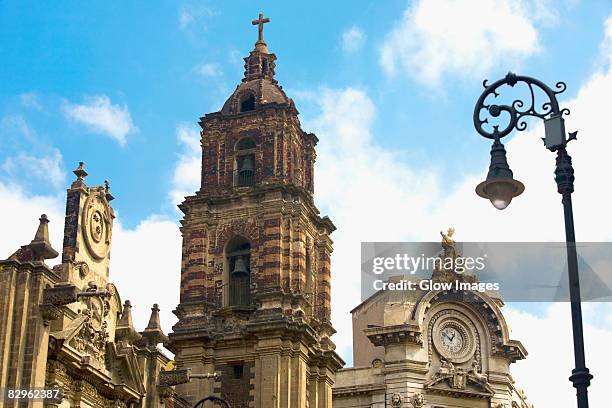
<point x="98" y="310"/>
<point x="91" y="339"/>
<point x="97" y="225"/>
<point x="418" y="400"/>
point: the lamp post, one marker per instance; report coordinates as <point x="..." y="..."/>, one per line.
<point x="168" y="379"/>
<point x="500" y="187"/>
<point x="215" y="400"/>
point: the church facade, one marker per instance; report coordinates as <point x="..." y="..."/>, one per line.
<point x="66" y="338"/>
<point x="254" y="320"/>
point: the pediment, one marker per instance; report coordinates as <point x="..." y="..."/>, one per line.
<point x="460" y="386"/>
<point x="124" y="367"/>
<point x="71" y="330"/>
<point x="84" y="339"/>
<point x="114" y="362"/>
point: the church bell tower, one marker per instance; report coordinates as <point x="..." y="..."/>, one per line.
<point x="255" y="273"/>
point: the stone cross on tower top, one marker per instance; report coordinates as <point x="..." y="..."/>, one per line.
<point x="260" y="22"/>
<point x="260" y="62"/>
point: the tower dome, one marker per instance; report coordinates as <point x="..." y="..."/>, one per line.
<point x="258" y="87"/>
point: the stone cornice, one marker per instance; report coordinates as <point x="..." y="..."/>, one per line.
<point x="258" y="191"/>
<point x="406" y="366"/>
<point x="352" y="390"/>
<point x="269" y="108"/>
<point x="514" y="350"/>
<point x="34" y="267"/>
<point x="382" y="336"/>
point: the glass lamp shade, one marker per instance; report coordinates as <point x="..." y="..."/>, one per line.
<point x="500" y="191"/>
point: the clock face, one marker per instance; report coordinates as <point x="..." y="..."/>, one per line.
<point x="453" y="335"/>
<point x="451" y="340"/>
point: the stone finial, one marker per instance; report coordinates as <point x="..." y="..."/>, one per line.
<point x="80" y="171"/>
<point x="81" y="174"/>
<point x="107" y="193"/>
<point x="42" y="233"/>
<point x="153" y="332"/>
<point x="125" y="327"/>
<point x="154" y="323"/>
<point x="40" y="245"/>
<point x="126" y="315"/>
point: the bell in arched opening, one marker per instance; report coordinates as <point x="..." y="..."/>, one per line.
<point x="246" y="171"/>
<point x="238" y="253"/>
<point x="240" y="281"/>
<point x="240" y="267"/>
<point x="247" y="165"/>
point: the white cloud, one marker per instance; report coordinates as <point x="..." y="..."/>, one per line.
<point x="19" y="218"/>
<point x="41" y="164"/>
<point x="392" y="200"/>
<point x="15" y="129"/>
<point x="464" y="38"/>
<point x="185" y="19"/>
<point x="547" y="11"/>
<point x="387" y="199"/>
<point x="186" y="177"/>
<point x="606" y="45"/>
<point x="234" y="56"/>
<point x="194" y="15"/>
<point x="44" y="169"/>
<point x="145" y="261"/>
<point x="208" y="70"/>
<point x="352" y="40"/>
<point x="145" y="266"/>
<point x="101" y="116"/>
<point x="548" y="340"/>
<point x="140" y="277"/>
<point x="30" y="100"/>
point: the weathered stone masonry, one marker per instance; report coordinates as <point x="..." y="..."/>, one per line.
<point x="275" y="350"/>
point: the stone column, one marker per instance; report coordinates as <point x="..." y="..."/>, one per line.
<point x="298" y="380"/>
<point x="268" y="372"/>
<point x="313" y="388"/>
<point x="8" y="284"/>
<point x="285" y="378"/>
<point x="324" y="388"/>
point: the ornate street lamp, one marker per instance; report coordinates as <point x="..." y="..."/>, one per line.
<point x="168" y="379"/>
<point x="500" y="187"/>
<point x="215" y="400"/>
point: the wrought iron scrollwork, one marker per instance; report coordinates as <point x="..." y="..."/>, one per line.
<point x="519" y="109"/>
<point x="214" y="400"/>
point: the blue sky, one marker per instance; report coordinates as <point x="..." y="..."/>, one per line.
<point x="389" y="90"/>
<point x="142" y="56"/>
